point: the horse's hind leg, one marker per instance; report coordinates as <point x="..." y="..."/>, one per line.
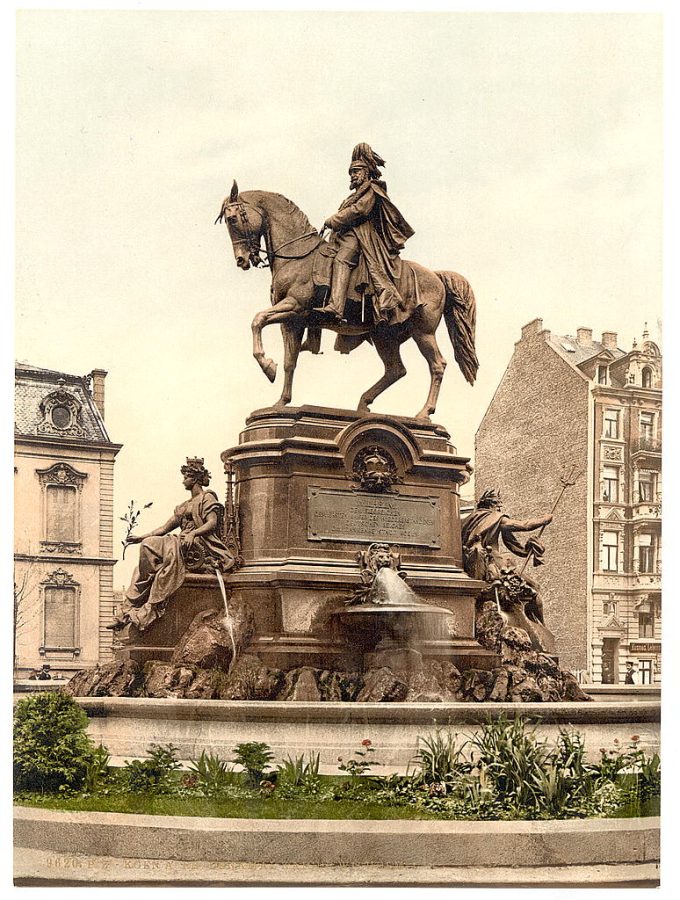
<point x="390" y="353"/>
<point x="427" y="344"/>
<point x="292" y="340"/>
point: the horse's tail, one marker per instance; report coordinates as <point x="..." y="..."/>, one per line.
<point x="460" y="313"/>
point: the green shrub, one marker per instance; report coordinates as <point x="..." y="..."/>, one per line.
<point x="97" y="771"/>
<point x="51" y="750"/>
<point x="214" y="776"/>
<point x="438" y="757"/>
<point x="255" y="757"/>
<point x="300" y="778"/>
<point x="154" y="775"/>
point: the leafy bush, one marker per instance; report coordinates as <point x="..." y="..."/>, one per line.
<point x="154" y="775"/>
<point x="97" y="771"/>
<point x="438" y="757"/>
<point x="300" y="778"/>
<point x="51" y="750"/>
<point x="213" y="776"/>
<point x="295" y="771"/>
<point x="255" y="757"/>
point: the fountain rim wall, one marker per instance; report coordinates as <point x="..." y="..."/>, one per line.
<point x="566" y="713"/>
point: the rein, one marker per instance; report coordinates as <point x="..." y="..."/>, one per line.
<point x="251" y="239"/>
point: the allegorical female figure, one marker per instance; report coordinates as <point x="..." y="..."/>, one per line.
<point x="164" y="558"/>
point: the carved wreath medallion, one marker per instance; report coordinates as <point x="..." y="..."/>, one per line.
<point x="61" y="413"/>
<point x="375" y="470"/>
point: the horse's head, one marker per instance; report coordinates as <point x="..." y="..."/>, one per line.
<point x="246" y="225"/>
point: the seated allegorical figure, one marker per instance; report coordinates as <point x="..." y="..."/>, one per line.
<point x="165" y="558"/>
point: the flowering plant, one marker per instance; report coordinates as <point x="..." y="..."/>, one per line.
<point x="360" y="762"/>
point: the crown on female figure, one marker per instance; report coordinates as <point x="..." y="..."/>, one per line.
<point x="194" y="466"/>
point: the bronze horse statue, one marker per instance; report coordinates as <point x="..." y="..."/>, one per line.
<point x="290" y="243"/>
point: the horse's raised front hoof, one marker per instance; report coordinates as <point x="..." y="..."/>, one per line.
<point x="269" y="369"/>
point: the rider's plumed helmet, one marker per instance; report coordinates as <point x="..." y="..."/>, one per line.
<point x="364" y="155"/>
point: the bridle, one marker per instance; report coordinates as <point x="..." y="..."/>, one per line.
<point x="251" y="236"/>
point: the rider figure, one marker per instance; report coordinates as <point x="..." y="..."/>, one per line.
<point x="368" y="230"/>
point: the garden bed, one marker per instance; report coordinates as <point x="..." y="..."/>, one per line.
<point x="259" y="808"/>
<point x="529" y="804"/>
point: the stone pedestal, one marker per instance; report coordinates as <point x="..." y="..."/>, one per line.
<point x="198" y="593"/>
<point x="316" y="485"/>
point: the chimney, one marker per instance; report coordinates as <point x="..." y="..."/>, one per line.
<point x="98" y="376"/>
<point x="609" y="339"/>
<point x="584" y="337"/>
<point x="532" y="328"/>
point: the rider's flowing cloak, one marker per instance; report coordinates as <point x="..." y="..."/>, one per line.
<point x="382" y="232"/>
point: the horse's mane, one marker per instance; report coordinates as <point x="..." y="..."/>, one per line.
<point x="278" y="203"/>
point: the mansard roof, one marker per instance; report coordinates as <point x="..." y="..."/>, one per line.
<point x="38" y="390"/>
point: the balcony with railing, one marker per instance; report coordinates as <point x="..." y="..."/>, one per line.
<point x="650" y="446"/>
<point x="647" y="508"/>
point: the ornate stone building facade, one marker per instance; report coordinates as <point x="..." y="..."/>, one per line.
<point x="63" y="532"/>
<point x="572" y="401"/>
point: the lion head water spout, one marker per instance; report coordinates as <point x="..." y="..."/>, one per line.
<point x="386" y="617"/>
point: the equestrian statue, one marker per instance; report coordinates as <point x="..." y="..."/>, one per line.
<point x="354" y="284"/>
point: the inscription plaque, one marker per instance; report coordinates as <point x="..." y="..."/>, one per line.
<point x="362" y="518"/>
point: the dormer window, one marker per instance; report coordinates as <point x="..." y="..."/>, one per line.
<point x="602" y="374"/>
<point x="646" y="377"/>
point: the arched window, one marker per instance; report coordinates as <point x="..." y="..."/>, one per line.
<point x="646" y="377"/>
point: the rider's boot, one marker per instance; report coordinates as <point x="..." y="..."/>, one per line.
<point x="339" y="284"/>
<point x="384" y="304"/>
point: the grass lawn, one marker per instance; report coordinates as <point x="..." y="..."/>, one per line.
<point x="150" y="804"/>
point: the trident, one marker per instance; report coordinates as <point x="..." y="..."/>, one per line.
<point x="567" y="480"/>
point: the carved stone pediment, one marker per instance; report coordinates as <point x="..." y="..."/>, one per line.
<point x="61" y="473"/>
<point x="60" y="578"/>
<point x="611" y="624"/>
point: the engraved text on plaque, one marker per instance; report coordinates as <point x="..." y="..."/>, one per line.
<point x="346" y="516"/>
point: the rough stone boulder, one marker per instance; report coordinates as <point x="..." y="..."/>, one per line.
<point x="475" y="686"/>
<point x="122" y="678"/>
<point x="301" y="685"/>
<point x="165" y="680"/>
<point x="425" y="687"/>
<point x="250" y="679"/>
<point x="382" y="686"/>
<point x="488" y="626"/>
<point x="215" y="640"/>
<point x="339" y="686"/>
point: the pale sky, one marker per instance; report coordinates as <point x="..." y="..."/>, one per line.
<point x="525" y="150"/>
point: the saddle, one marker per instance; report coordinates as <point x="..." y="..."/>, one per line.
<point x="360" y="305"/>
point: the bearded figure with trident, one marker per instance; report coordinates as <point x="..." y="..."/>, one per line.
<point x="517" y="597"/>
